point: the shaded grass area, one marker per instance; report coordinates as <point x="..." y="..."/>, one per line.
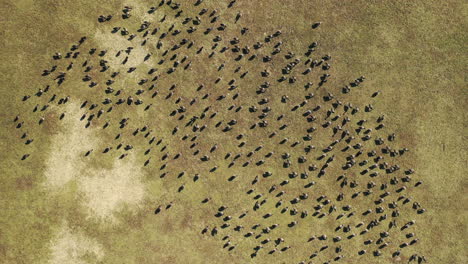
<point x="411" y="51"/>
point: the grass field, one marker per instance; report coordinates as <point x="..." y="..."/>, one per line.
<point x="59" y="206"/>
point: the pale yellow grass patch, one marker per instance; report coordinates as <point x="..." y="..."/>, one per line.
<point x="105" y="190"/>
<point x="116" y="42"/>
<point x="64" y="161"/>
<point x="109" y="190"/>
<point x="71" y="247"/>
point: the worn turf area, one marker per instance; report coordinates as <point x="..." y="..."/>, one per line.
<point x="58" y="206"/>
